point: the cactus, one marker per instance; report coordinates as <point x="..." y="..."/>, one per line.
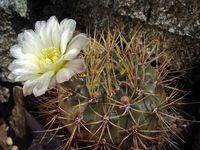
<point x="126" y="99"/>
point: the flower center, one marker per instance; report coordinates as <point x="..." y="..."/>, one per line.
<point x="48" y="56"/>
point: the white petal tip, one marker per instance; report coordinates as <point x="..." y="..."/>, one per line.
<point x="37" y="93"/>
<point x="64" y="75"/>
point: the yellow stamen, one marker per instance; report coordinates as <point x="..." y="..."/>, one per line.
<point x="48" y="56"/>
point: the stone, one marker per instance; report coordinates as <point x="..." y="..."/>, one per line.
<point x="3" y="137"/>
<point x="9" y="141"/>
<point x="181" y="17"/>
<point x="18" y="6"/>
<point x="18" y="114"/>
<point x="138" y="9"/>
<point x="7" y="39"/>
<point x="4" y="94"/>
<point x="14" y="147"/>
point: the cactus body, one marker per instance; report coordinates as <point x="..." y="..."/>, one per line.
<point x="124" y="100"/>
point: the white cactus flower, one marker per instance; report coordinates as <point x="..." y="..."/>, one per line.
<point x="47" y="56"/>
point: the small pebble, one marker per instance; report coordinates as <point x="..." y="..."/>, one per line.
<point x="14" y="147"/>
<point x="7" y="128"/>
<point x="9" y="141"/>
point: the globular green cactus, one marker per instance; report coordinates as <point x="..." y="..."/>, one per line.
<point x="125" y="100"/>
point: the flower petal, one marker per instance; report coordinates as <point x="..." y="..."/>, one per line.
<point x="71" y="68"/>
<point x="31" y="43"/>
<point x="76" y="65"/>
<point x="71" y="54"/>
<point x="52" y="83"/>
<point x="68" y="27"/>
<point x="24" y="77"/>
<point x="64" y="24"/>
<point x="49" y="32"/>
<point x="64" y="75"/>
<point x="55" y="34"/>
<point x="16" y="64"/>
<point x="52" y="32"/>
<point x="20" y="37"/>
<point x="42" y="84"/>
<point x="21" y="71"/>
<point x="16" y="51"/>
<point x="28" y="87"/>
<point x="78" y="43"/>
<point x="40" y="29"/>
